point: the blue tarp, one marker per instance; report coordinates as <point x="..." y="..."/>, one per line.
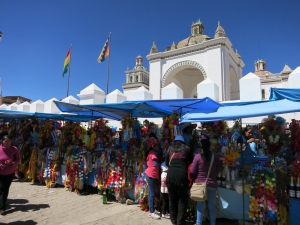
<point x="282" y="100"/>
<point x="10" y="114"/>
<point x="203" y="105"/>
<point x="292" y="94"/>
<point x="81" y="110"/>
<point x="245" y="111"/>
<point x="143" y="109"/>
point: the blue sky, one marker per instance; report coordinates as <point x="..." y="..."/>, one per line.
<point x="38" y="34"/>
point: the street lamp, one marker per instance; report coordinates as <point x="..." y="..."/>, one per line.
<point x="1" y="35"/>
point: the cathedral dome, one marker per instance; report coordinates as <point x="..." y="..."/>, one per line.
<point x="197" y="37"/>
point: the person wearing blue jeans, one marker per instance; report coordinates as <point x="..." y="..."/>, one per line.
<point x="211" y="200"/>
<point x="152" y="175"/>
<point x="205" y="168"/>
<point x="151" y="193"/>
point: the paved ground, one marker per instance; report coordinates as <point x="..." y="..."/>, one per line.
<point x="35" y="204"/>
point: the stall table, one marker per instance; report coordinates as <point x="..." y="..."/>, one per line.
<point x="231" y="204"/>
<point x="294" y="211"/>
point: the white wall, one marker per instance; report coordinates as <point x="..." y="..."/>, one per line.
<point x="128" y="93"/>
<point x="214" y="59"/>
<point x="155" y="78"/>
<point x="268" y="86"/>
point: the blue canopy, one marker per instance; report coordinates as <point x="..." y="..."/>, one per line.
<point x="245" y="111"/>
<point x="82" y="110"/>
<point x="143" y="109"/>
<point x="10" y="114"/>
<point x="292" y="94"/>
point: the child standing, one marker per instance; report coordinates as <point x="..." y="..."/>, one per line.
<point x="164" y="192"/>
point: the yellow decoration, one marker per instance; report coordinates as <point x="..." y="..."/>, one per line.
<point x="31" y="172"/>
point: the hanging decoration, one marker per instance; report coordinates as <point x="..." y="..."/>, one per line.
<point x="273" y="132"/>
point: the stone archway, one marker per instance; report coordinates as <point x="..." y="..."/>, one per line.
<point x="234" y="84"/>
<point x="186" y="75"/>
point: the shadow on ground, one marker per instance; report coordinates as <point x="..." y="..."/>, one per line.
<point x="28" y="222"/>
<point x="21" y="205"/>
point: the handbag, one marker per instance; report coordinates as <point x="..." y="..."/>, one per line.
<point x="199" y="190"/>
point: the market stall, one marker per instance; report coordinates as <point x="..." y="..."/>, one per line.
<point x="270" y="188"/>
<point x="98" y="155"/>
<point x="113" y="161"/>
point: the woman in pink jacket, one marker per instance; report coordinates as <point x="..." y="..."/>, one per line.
<point x="9" y="160"/>
<point x="152" y="175"/>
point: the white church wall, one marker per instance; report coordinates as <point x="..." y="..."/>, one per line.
<point x="214" y="56"/>
<point x="115" y="97"/>
<point x="231" y="64"/>
<point x="294" y="78"/>
<point x="128" y="93"/>
<point x="24" y="107"/>
<point x="285" y="84"/>
<point x="37" y="106"/>
<point x="208" y="88"/>
<point x="267" y="86"/>
<point x="50" y="106"/>
<point x="71" y="99"/>
<point x="92" y="94"/>
<point x="250" y="88"/>
<point x="154" y="78"/>
<point x="3" y="106"/>
<point x="141" y="94"/>
<point x="214" y="69"/>
<point x="12" y="106"/>
<point x="171" y="91"/>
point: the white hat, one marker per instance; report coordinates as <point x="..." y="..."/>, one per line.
<point x="184" y="125"/>
<point x="179" y="138"/>
<point x="164" y="167"/>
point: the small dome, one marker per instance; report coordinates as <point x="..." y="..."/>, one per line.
<point x="220" y="32"/>
<point x="153" y="48"/>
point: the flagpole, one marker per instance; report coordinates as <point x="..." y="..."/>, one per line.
<point x="69" y="72"/>
<point x="108" y="64"/>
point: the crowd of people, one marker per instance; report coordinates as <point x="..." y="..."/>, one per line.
<point x="184" y="163"/>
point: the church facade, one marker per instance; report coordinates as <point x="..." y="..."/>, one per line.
<point x="196" y="65"/>
<point x="190" y="62"/>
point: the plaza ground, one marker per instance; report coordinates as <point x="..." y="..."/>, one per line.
<point x="35" y="204"/>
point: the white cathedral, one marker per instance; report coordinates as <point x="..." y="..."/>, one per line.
<point x="200" y="66"/>
<point x="196" y="67"/>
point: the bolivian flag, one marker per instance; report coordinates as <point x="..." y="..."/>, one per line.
<point x="105" y="51"/>
<point x="67" y="62"/>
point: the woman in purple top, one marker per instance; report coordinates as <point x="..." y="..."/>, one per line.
<point x="9" y="160"/>
<point x="199" y="171"/>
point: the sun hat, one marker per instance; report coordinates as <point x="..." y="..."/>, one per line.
<point x="179" y="138"/>
<point x="185" y="125"/>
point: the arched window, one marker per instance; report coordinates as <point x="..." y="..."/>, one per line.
<point x="130" y="79"/>
<point x="136" y="78"/>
